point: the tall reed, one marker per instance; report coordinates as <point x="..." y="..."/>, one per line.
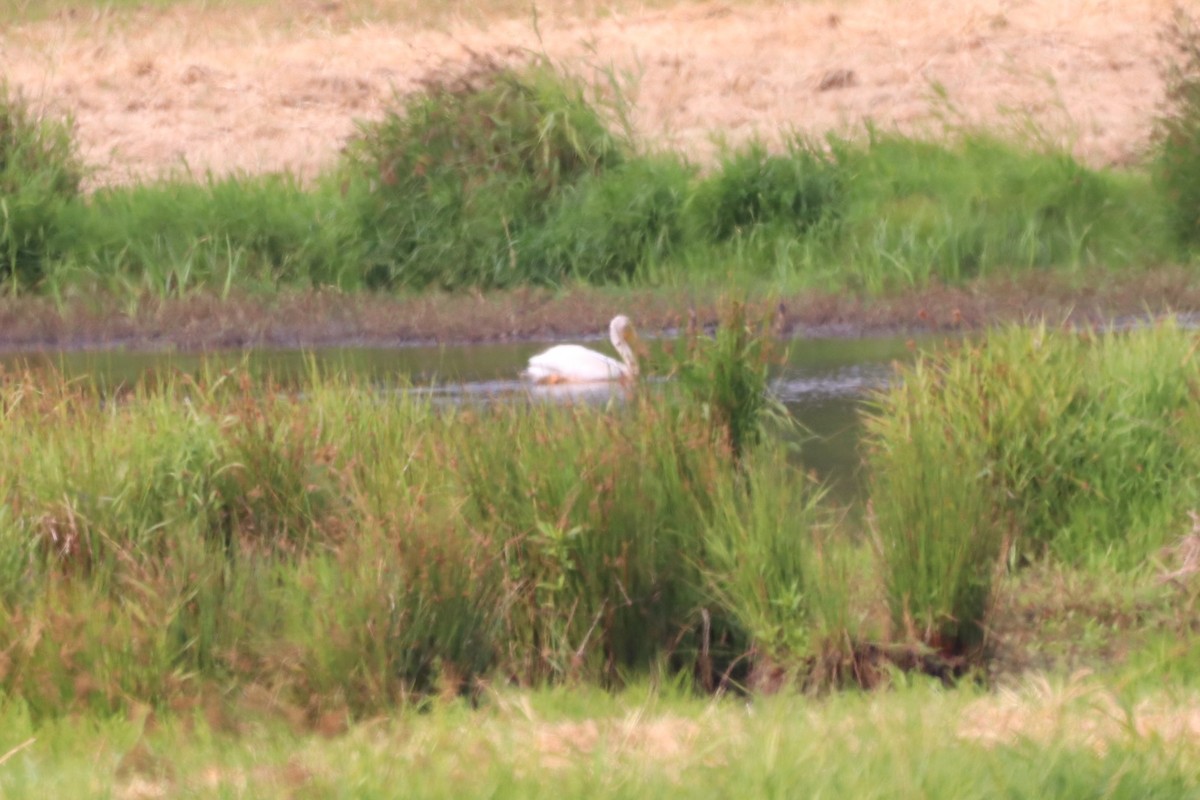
<point x="939" y="537"/>
<point x="778" y="561"/>
<point x="593" y="514"/>
<point x="728" y="375"/>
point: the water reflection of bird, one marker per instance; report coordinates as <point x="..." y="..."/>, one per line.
<point x="570" y="363"/>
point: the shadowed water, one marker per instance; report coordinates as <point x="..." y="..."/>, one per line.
<point x="823" y="382"/>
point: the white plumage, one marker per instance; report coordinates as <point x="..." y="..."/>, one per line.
<point x="570" y="363"/>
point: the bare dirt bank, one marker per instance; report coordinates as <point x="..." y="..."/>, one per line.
<point x="279" y="87"/>
<point x="327" y="319"/>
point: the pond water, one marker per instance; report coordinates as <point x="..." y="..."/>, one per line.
<point x="823" y="382"/>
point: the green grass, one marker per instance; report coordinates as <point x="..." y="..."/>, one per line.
<point x="1177" y="128"/>
<point x="918" y="742"/>
<point x="218" y="584"/>
<point x="449" y="188"/>
<point x="924" y="211"/>
<point x="779" y="561"/>
<point x="170" y="238"/>
<point x="939" y="536"/>
<point x="1128" y="627"/>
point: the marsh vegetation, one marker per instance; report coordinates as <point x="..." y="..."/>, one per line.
<point x="185" y="544"/>
<point x="505" y="177"/>
<point x="186" y="532"/>
<point x="219" y="557"/>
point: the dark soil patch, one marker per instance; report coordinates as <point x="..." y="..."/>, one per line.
<point x="327" y="318"/>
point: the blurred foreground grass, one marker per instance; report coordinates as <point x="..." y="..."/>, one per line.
<point x="1063" y="738"/>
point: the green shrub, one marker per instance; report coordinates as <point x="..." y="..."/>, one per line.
<point x="1090" y="437"/>
<point x="345" y="550"/>
<point x="595" y="512"/>
<point x="506" y="177"/>
<point x="199" y="532"/>
<point x="1177" y="133"/>
<point x="40" y="173"/>
<point x="796" y="191"/>
<point x="446" y="187"/>
<point x="611" y="225"/>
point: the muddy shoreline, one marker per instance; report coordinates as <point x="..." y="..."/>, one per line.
<point x="319" y="319"/>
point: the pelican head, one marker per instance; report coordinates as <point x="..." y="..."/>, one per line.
<point x="622" y="334"/>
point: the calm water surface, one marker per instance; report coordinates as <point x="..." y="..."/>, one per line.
<point x="823" y="383"/>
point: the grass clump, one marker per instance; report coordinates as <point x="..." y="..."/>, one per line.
<point x="919" y="210"/>
<point x="773" y="559"/>
<point x="778" y="562"/>
<point x="344" y="551"/>
<point x="40" y="172"/>
<point x="1092" y="437"/>
<point x="341" y="550"/>
<point x="196" y="534"/>
<point x="1075" y="445"/>
<point x="1177" y="156"/>
<point x="594" y="512"/>
<point x="727" y="376"/>
<point x="939" y="537"/>
<point x="509" y="176"/>
<point x="615" y="227"/>
<point x="794" y="191"/>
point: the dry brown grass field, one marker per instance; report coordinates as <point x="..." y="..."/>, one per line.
<point x="276" y="86"/>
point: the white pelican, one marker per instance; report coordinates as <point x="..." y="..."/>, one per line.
<point x="570" y="363"/>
